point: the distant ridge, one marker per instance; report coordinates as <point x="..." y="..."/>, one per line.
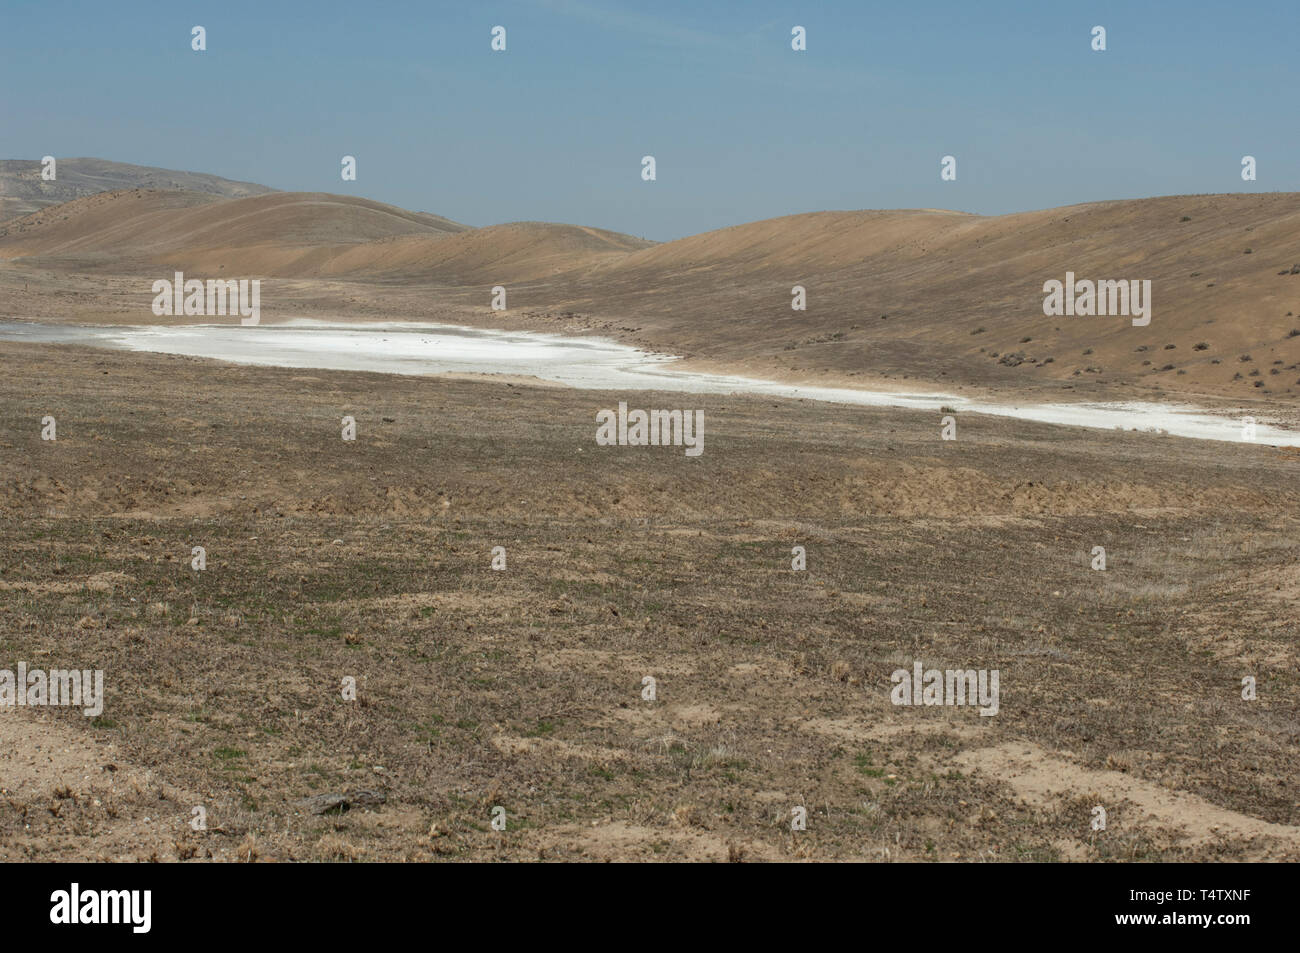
<point x="23" y="191"/>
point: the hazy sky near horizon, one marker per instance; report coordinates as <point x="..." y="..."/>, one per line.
<point x="741" y="127"/>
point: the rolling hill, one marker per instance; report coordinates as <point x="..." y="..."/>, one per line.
<point x="928" y="296"/>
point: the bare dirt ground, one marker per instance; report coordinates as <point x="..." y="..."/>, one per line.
<point x="522" y="688"/>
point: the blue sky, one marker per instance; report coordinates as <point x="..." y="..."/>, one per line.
<point x="742" y="128"/>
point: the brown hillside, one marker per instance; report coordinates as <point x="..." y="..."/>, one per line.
<point x="935" y="295"/>
<point x="143" y="228"/>
<point x="297" y="235"/>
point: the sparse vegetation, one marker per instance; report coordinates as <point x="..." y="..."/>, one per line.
<point x="477" y="688"/>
